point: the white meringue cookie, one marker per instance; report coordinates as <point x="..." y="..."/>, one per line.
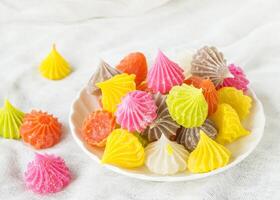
<point x="166" y="157"/>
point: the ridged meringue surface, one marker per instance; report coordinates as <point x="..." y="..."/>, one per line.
<point x="166" y="157"/>
<point x="163" y="124"/>
<point x="187" y="106"/>
<point x="208" y="155"/>
<point x="208" y="62"/>
<point x="189" y="137"/>
<point x="54" y="66"/>
<point x="164" y="74"/>
<point x="239" y="101"/>
<point x="47" y="174"/>
<point x="239" y="81"/>
<point x="136" y="111"/>
<point x="10" y="121"/>
<point x="40" y="129"/>
<point x="114" y="89"/>
<point x="103" y="73"/>
<point x="123" y="149"/>
<point x="228" y="123"/>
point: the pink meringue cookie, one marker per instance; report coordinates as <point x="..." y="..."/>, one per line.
<point x="239" y="81"/>
<point x="47" y="174"/>
<point x="137" y="110"/>
<point x="164" y="74"/>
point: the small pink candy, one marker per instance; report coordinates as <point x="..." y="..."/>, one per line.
<point x="47" y="174"/>
<point x="239" y="81"/>
<point x="137" y="110"/>
<point x="164" y="74"/>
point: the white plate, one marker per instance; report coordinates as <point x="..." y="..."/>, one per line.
<point x="84" y="104"/>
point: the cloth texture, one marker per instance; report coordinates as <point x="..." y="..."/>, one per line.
<point x="246" y="31"/>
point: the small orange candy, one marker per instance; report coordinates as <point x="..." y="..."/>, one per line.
<point x="97" y="127"/>
<point x="40" y="129"/>
<point x="209" y="91"/>
<point x="134" y="63"/>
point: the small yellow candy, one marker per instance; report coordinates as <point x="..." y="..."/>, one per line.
<point x="208" y="155"/>
<point x="54" y="66"/>
<point x="187" y="106"/>
<point x="114" y="89"/>
<point x="123" y="149"/>
<point x="228" y="124"/>
<point x="10" y="121"/>
<point x="240" y="102"/>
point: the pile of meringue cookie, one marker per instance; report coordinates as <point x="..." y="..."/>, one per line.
<point x="160" y="118"/>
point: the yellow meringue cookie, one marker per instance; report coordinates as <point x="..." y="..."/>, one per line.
<point x="228" y="124"/>
<point x="208" y="155"/>
<point x="240" y="102"/>
<point x="123" y="149"/>
<point x="54" y="66"/>
<point x="114" y="89"/>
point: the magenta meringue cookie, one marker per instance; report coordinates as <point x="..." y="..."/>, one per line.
<point x="136" y="111"/>
<point x="239" y="81"/>
<point x="164" y="74"/>
<point x="47" y="174"/>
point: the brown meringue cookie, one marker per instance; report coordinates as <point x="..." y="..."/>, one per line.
<point x="163" y="124"/>
<point x="189" y="137"/>
<point x="103" y="73"/>
<point x="208" y="62"/>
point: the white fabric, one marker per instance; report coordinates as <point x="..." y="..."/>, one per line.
<point x="246" y="31"/>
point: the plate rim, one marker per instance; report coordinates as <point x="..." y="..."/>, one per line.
<point x="162" y="178"/>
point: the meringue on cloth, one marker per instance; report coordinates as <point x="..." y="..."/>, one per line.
<point x="208" y="62"/>
<point x="208" y="155"/>
<point x="54" y="66"/>
<point x="47" y="174"/>
<point x="10" y="121"/>
<point x="239" y="81"/>
<point x="40" y="129"/>
<point x="123" y="149"/>
<point x="136" y="111"/>
<point x="103" y="73"/>
<point x="240" y="102"/>
<point x="209" y="91"/>
<point x="134" y="63"/>
<point x="164" y="74"/>
<point x="228" y="123"/>
<point x="166" y="157"/>
<point x="189" y="137"/>
<point x="163" y="124"/>
<point x="187" y="106"/>
<point x="114" y="89"/>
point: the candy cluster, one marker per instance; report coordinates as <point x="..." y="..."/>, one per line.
<point x="164" y="120"/>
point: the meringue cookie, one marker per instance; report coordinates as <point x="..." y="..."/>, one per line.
<point x="54" y="66"/>
<point x="103" y="73"/>
<point x="164" y="74"/>
<point x="208" y="155"/>
<point x="10" y="121"/>
<point x="123" y="149"/>
<point x="163" y="124"/>
<point x="228" y="123"/>
<point x="187" y="106"/>
<point x="208" y="62"/>
<point x="47" y="174"/>
<point x="166" y="157"/>
<point x="136" y="111"/>
<point x="189" y="137"/>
